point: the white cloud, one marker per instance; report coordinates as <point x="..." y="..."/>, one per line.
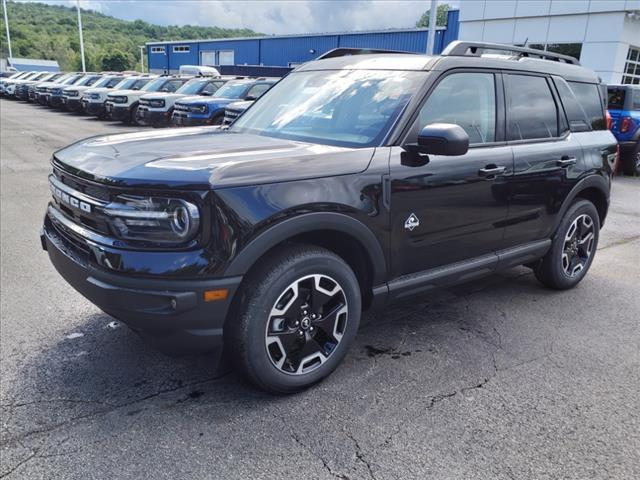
<point x="270" y="17"/>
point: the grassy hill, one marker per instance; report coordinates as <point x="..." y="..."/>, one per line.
<point x="51" y="32"/>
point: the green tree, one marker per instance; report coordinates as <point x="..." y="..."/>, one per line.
<point x="441" y="17"/>
<point x="116" y="62"/>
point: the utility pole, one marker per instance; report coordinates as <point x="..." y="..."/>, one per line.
<point x="141" y="47"/>
<point x="431" y="38"/>
<point x="6" y="24"/>
<point x="84" y="67"/>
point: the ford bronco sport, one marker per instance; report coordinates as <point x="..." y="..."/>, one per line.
<point x="624" y="108"/>
<point x="355" y="181"/>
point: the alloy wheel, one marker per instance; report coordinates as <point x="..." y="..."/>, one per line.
<point x="578" y="245"/>
<point x="306" y="324"/>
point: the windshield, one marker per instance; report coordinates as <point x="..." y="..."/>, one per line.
<point x="155" y="85"/>
<point x="107" y="81"/>
<point x="87" y="81"/>
<point x="353" y="108"/>
<point x="192" y="87"/>
<point x="71" y="80"/>
<point x="231" y="90"/>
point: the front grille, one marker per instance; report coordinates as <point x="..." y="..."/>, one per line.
<point x="230" y="115"/>
<point x="80" y="201"/>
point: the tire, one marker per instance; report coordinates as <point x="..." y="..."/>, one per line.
<point x="273" y="351"/>
<point x="631" y="162"/>
<point x="217" y="119"/>
<point x="572" y="249"/>
<point x="132" y="120"/>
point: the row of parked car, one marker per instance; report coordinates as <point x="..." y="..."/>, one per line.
<point x="195" y="96"/>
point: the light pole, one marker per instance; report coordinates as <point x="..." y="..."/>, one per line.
<point x="84" y="68"/>
<point x="141" y="47"/>
<point x="6" y="24"/>
<point x="431" y="37"/>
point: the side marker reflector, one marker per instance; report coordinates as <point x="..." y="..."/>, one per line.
<point x="215" y="295"/>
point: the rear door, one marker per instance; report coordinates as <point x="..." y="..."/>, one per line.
<point x="548" y="159"/>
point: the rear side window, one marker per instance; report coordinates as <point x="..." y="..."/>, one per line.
<point x="588" y="96"/>
<point x="531" y="110"/>
<point x="616" y="98"/>
<point x="466" y="99"/>
<point x="576" y="115"/>
<point x="635" y="104"/>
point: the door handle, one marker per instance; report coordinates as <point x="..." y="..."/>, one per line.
<point x="492" y="170"/>
<point x="566" y="161"/>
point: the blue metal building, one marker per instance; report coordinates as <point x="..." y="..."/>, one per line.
<point x="290" y="50"/>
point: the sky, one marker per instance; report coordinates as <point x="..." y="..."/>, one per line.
<point x="269" y="17"/>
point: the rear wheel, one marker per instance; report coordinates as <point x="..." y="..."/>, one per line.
<point x="631" y="162"/>
<point x="298" y="315"/>
<point x="573" y="248"/>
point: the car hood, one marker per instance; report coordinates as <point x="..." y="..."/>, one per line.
<point x="197" y="99"/>
<point x="128" y="92"/>
<point x="79" y="88"/>
<point x="99" y="90"/>
<point x="203" y="158"/>
<point x="161" y="96"/>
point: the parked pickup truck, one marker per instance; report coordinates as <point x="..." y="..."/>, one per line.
<point x="354" y="182"/>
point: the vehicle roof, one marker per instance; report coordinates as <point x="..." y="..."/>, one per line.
<point x="414" y="62"/>
<point x="625" y="85"/>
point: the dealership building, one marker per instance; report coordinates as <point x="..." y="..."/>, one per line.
<point x="603" y="34"/>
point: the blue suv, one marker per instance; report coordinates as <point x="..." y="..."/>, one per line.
<point x="624" y="108"/>
<point x="200" y="110"/>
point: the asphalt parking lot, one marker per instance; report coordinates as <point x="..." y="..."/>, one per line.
<point x="496" y="379"/>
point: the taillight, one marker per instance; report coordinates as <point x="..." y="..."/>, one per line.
<point x="609" y="120"/>
<point x="625" y="124"/>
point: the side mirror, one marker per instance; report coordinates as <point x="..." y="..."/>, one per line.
<point x="250" y="98"/>
<point x="443" y="139"/>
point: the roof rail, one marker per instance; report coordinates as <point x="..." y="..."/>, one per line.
<point x="345" y="51"/>
<point x="461" y="48"/>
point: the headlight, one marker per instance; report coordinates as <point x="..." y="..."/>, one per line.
<point x="198" y="109"/>
<point x="71" y="93"/>
<point x="153" y="219"/>
<point x="156" y="103"/>
<point x="118" y="99"/>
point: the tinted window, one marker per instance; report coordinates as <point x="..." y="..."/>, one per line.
<point x="616" y="98"/>
<point x="589" y="98"/>
<point x="635" y="104"/>
<point x="466" y="99"/>
<point x="211" y="87"/>
<point x="531" y="110"/>
<point x="575" y="113"/>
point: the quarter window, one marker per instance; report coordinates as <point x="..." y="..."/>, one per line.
<point x="588" y="96"/>
<point x="465" y="99"/>
<point x="531" y="110"/>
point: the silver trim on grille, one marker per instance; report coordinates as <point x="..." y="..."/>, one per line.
<point x="57" y="216"/>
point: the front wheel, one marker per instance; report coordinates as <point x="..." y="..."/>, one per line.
<point x="572" y="249"/>
<point x="298" y="315"/>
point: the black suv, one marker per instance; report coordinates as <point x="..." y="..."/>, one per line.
<point x="355" y="181"/>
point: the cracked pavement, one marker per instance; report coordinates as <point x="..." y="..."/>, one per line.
<point x="499" y="378"/>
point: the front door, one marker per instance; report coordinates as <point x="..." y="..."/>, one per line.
<point x="445" y="209"/>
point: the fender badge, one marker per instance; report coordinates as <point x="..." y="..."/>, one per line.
<point x="411" y="222"/>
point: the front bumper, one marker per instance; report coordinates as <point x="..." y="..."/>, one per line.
<point x="72" y="104"/>
<point x="43" y="98"/>
<point x="157" y="118"/>
<point x="93" y="108"/>
<point x="56" y="101"/>
<point x="182" y="119"/>
<point x="118" y="112"/>
<point x="170" y="313"/>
